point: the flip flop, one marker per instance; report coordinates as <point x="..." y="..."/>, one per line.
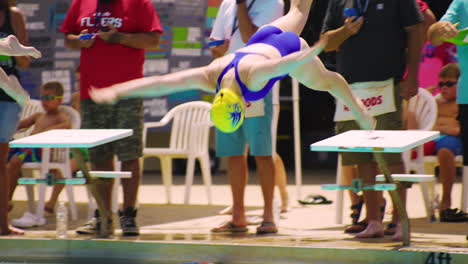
<point x="315" y="199"/>
<point x="267" y="228"/>
<point x="229" y="227"/>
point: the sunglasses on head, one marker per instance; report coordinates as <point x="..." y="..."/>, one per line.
<point x="447" y="83"/>
<point x="51" y="97"/>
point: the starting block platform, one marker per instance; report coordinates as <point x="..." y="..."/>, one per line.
<point x="386" y="141"/>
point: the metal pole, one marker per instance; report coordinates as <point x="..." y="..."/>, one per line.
<point x="297" y="138"/>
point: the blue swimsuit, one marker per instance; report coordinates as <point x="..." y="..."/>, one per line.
<point x="285" y="42"/>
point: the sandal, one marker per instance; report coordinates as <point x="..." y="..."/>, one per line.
<point x="229" y="227"/>
<point x="453" y="215"/>
<point x="358" y="207"/>
<point x="315" y="199"/>
<point x="267" y="228"/>
<point x="356" y="228"/>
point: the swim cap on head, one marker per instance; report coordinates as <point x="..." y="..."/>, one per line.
<point x="227" y="112"/>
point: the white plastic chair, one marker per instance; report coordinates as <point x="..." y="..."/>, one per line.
<point x="189" y="139"/>
<point x="54" y="159"/>
<point x="424" y="106"/>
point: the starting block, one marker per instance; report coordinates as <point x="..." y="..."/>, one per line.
<point x="357" y="186"/>
<point x="50" y="180"/>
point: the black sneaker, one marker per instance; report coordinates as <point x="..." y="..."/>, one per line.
<point x="93" y="226"/>
<point x="127" y="222"/>
<point x="453" y="215"/>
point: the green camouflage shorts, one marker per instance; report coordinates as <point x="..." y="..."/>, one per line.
<point x="125" y="114"/>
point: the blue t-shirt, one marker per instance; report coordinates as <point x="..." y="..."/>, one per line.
<point x="458" y="12"/>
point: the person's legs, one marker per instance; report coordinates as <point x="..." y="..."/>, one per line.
<point x="237" y="175"/>
<point x="395" y="225"/>
<point x="266" y="174"/>
<point x="56" y="190"/>
<point x="5" y="228"/>
<point x="13" y="173"/>
<point x="281" y="181"/>
<point x="9" y="114"/>
<point x="296" y="18"/>
<point x="447" y="173"/>
<point x="349" y="173"/>
<point x="129" y="114"/>
<point x="96" y="116"/>
<point x="131" y="185"/>
<point x="367" y="172"/>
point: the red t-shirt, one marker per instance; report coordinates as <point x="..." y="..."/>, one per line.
<point x="105" y="64"/>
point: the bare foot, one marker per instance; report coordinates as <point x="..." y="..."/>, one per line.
<point x="12" y="231"/>
<point x="374" y="229"/>
<point x="11" y="46"/>
<point x="398" y="236"/>
<point x="284" y="204"/>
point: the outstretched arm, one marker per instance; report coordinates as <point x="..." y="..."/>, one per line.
<point x="262" y="71"/>
<point x="154" y="86"/>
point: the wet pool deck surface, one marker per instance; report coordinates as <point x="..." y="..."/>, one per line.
<point x="310" y="227"/>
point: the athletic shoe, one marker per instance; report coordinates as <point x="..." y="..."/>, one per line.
<point x="127" y="222"/>
<point x="93" y="226"/>
<point x="28" y="220"/>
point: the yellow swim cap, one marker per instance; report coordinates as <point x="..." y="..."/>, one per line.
<point x="227" y="112"/>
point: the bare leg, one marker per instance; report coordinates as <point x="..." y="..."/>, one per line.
<point x="237" y="174"/>
<point x="13" y="172"/>
<point x="296" y="18"/>
<point x="281" y="182"/>
<point x="398" y="169"/>
<point x="131" y="185"/>
<point x="349" y="174"/>
<point x="266" y="173"/>
<point x="447" y="176"/>
<point x="367" y="172"/>
<point x="314" y="75"/>
<point x="5" y="228"/>
<point x="105" y="189"/>
<point x="57" y="189"/>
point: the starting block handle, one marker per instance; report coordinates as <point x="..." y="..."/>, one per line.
<point x="331" y="187"/>
<point x="72" y="181"/>
<point x="381" y="187"/>
<point x="377" y="187"/>
<point x="30" y="181"/>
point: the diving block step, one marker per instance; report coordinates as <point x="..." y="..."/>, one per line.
<point x="106" y="174"/>
<point x="408" y="177"/>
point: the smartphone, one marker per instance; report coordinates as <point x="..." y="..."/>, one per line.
<point x="86" y="36"/>
<point x="215" y="42"/>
